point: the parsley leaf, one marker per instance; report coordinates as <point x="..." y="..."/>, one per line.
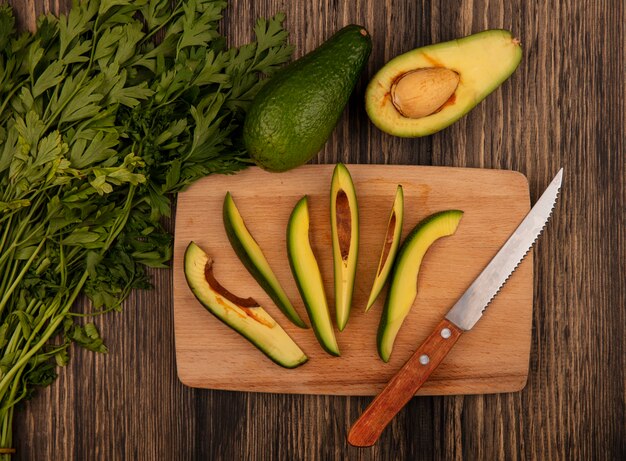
<point x="100" y="124"/>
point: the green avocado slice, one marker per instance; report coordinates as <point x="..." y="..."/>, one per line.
<point x="244" y="315"/>
<point x="307" y="275"/>
<point x="344" y="224"/>
<point x="252" y="257"/>
<point x="403" y="287"/>
<point x="390" y="246"/>
<point x="478" y="64"/>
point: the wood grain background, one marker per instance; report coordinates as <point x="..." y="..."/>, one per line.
<point x="565" y="107"/>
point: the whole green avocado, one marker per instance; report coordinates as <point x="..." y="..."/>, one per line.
<point x="294" y="114"/>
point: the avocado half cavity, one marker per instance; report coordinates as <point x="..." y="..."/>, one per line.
<point x="427" y="89"/>
<point x="344" y="224"/>
<point x="390" y="246"/>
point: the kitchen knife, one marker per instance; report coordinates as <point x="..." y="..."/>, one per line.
<point x="462" y="317"/>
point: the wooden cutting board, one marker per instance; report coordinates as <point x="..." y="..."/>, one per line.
<point x="491" y="358"/>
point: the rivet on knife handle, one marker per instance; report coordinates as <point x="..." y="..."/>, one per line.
<point x="404" y="385"/>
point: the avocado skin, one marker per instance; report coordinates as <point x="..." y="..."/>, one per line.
<point x="294" y="114"/>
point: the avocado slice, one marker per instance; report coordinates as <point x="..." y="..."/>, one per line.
<point x="254" y="260"/>
<point x="307" y="274"/>
<point x="245" y="316"/>
<point x="293" y="115"/>
<point x="427" y="89"/>
<point x="390" y="246"/>
<point x="344" y="225"/>
<point x="403" y="286"/>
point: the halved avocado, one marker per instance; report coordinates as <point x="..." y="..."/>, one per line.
<point x="307" y="274"/>
<point x="344" y="225"/>
<point x="427" y="89"/>
<point x="403" y="287"/>
<point x="390" y="246"/>
<point x="254" y="260"/>
<point x="245" y="316"/>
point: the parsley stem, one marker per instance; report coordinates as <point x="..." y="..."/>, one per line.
<point x="8" y="228"/>
<point x="14" y="343"/>
<point x="175" y="12"/>
<point x="16" y="282"/>
<point x="10" y="95"/>
<point x="12" y="400"/>
<point x="28" y="351"/>
<point x="24" y="223"/>
<point x="7" y="432"/>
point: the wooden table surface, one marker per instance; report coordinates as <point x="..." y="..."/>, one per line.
<point x="564" y="106"/>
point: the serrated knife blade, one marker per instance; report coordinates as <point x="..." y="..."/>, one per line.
<point x="471" y="305"/>
<point x="463" y="316"/>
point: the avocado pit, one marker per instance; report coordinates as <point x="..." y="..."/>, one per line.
<point x="422" y="92"/>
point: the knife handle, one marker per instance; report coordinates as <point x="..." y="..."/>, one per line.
<point x="403" y="386"/>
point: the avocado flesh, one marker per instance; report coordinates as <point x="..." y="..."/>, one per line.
<point x="344" y="223"/>
<point x="294" y="114"/>
<point x="244" y="316"/>
<point x="390" y="246"/>
<point x="483" y="61"/>
<point x="308" y="278"/>
<point x="403" y="286"/>
<point x="252" y="257"/>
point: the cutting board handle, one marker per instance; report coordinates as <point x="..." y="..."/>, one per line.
<point x="403" y="386"/>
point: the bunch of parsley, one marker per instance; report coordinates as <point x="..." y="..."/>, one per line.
<point x="99" y="125"/>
